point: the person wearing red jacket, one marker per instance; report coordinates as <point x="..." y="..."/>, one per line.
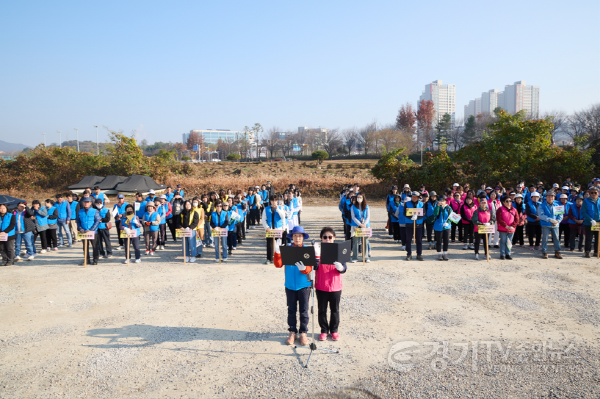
<point x="466" y="213"/>
<point x="328" y="286"/>
<point x="507" y="220"/>
<point x="519" y="206"/>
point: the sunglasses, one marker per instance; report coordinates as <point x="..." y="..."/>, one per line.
<point x="218" y="206"/>
<point x="328" y="237"/>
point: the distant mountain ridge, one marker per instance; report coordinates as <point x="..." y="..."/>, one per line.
<point x="6" y="147"/>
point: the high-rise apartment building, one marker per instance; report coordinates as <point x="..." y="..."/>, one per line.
<point x="443" y="97"/>
<point x="212" y="136"/>
<point x="513" y="99"/>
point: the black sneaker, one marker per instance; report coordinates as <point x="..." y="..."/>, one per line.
<point x="496" y="246"/>
<point x="95" y="262"/>
<point x="587" y="255"/>
<point x="419" y="257"/>
<point x="508" y="257"/>
<point x="409" y="257"/>
<point x="502" y="257"/>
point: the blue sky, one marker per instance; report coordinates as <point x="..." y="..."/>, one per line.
<point x="163" y="68"/>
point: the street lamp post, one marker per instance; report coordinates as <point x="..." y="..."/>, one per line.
<point x="59" y="138"/>
<point x="421" y="144"/>
<point x="77" y="131"/>
<point x="97" y="145"/>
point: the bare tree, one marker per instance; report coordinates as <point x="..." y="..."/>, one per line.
<point x="271" y="140"/>
<point x="559" y="120"/>
<point x="350" y="139"/>
<point x="585" y="123"/>
<point x="455" y="134"/>
<point x="366" y="137"/>
<point x="332" y="140"/>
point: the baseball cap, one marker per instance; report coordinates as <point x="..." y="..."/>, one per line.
<point x="394" y="187"/>
<point x="488" y="188"/>
<point x="550" y="192"/>
<point x="87" y="199"/>
<point x="432" y="193"/>
<point x="442" y="198"/>
<point x="555" y="185"/>
<point x="455" y="185"/>
<point x="406" y="186"/>
<point x="179" y="185"/>
<point x="98" y="201"/>
<point x="565" y="187"/>
<point x="120" y="196"/>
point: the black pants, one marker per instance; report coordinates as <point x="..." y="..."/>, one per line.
<point x="51" y="238"/>
<point x="238" y="232"/>
<point x="162" y="234"/>
<point x="299" y="212"/>
<point x="7" y="248"/>
<point x="402" y="234"/>
<point x="94" y="247"/>
<point x="103" y="237"/>
<point x="478" y="238"/>
<point x="468" y="233"/>
<point x="418" y="239"/>
<point x="136" y="247"/>
<point x="534" y="231"/>
<point x="395" y="230"/>
<point x="254" y="217"/>
<point x="440" y="236"/>
<point x="572" y="236"/>
<point x="518" y="236"/>
<point x="294" y="298"/>
<point x="172" y="228"/>
<point x="231" y="240"/>
<point x="270" y="249"/>
<point x="430" y="236"/>
<point x="457" y="226"/>
<point x="564" y="227"/>
<point x="347" y="231"/>
<point x="243" y="229"/>
<point x="589" y="234"/>
<point x="331" y="299"/>
<point x="118" y="226"/>
<point x="44" y="242"/>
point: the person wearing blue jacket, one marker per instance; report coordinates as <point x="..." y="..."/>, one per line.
<point x="73" y="201"/>
<point x="394" y="211"/>
<point x="273" y="218"/>
<point x="120" y="214"/>
<point x="7" y="226"/>
<point x="564" y="224"/>
<point x="220" y="219"/>
<point x="231" y="236"/>
<point x="180" y="191"/>
<point x="103" y="231"/>
<point x="549" y="220"/>
<point x="534" y="229"/>
<point x="41" y="225"/>
<point x="88" y="220"/>
<point x="360" y="218"/>
<point x="64" y="216"/>
<point x="390" y="226"/>
<point x="429" y="207"/>
<point x="591" y="217"/>
<point x="129" y="223"/>
<point x="414" y="223"/>
<point x="98" y="195"/>
<point x="169" y="193"/>
<point x="52" y="225"/>
<point x="441" y="226"/>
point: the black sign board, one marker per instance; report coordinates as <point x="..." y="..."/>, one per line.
<point x="291" y="255"/>
<point x="335" y="252"/>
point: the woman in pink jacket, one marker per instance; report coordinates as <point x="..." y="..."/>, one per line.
<point x="455" y="203"/>
<point x="494" y="204"/>
<point x="507" y="219"/>
<point x="328" y="286"/>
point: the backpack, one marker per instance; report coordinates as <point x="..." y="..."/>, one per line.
<point x="177" y="208"/>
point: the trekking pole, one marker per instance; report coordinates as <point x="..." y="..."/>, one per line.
<point x="363" y="248"/>
<point x="598" y="245"/>
<point x="183" y="240"/>
<point x="85" y="253"/>
<point x="487" y="251"/>
<point x="219" y="244"/>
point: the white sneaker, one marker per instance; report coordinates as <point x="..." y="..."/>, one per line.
<point x="23" y="253"/>
<point x="368" y="261"/>
<point x="118" y="248"/>
<point x="162" y="247"/>
<point x="369" y="254"/>
<point x="225" y="260"/>
<point x="476" y="256"/>
<point x="138" y="261"/>
<point x="266" y="262"/>
<point x="216" y="260"/>
<point x="125" y="261"/>
<point x="403" y="248"/>
<point x="31" y="257"/>
<point x="192" y="259"/>
<point x="43" y="251"/>
<point x="17" y="258"/>
<point x="466" y="246"/>
<point x="353" y="260"/>
<point x="187" y="258"/>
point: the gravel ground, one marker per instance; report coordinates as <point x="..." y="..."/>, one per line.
<point x="162" y="329"/>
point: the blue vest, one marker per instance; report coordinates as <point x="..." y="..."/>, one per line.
<point x="294" y="279"/>
<point x="442" y="218"/>
<point x="268" y="219"/>
<point x="295" y="202"/>
<point x="142" y="211"/>
<point x="87" y="219"/>
<point x="50" y="213"/>
<point x="170" y="196"/>
<point x="42" y="220"/>
<point x="74" y="210"/>
<point x="99" y="196"/>
<point x="181" y="193"/>
<point x="150" y="198"/>
<point x="129" y="225"/>
<point x="219" y="221"/>
<point x="392" y="207"/>
<point x="430" y="207"/>
<point x="103" y="213"/>
<point x="232" y="222"/>
<point x="360" y="215"/>
<point x="533" y="208"/>
<point x="121" y="208"/>
<point x="548" y="210"/>
<point x="62" y="210"/>
<point x="162" y="211"/>
<point x="409" y="205"/>
<point x="593" y="211"/>
<point x="252" y="201"/>
<point x="151" y="218"/>
<point x="264" y="194"/>
<point x="5" y="222"/>
<point x="576" y="213"/>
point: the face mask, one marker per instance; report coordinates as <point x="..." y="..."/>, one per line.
<point x="279" y="202"/>
<point x="195" y="204"/>
<point x="99" y="206"/>
<point x="130" y="212"/>
<point x="359" y="200"/>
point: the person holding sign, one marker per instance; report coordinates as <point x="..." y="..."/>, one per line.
<point x="130" y="223"/>
<point x="7" y="236"/>
<point x="549" y="221"/>
<point x="441" y="226"/>
<point x="507" y="219"/>
<point x="189" y="222"/>
<point x="414" y="226"/>
<point x="360" y="218"/>
<point x="88" y="221"/>
<point x="151" y="220"/>
<point x="118" y="213"/>
<point x="231" y="236"/>
<point x="273" y="218"/>
<point x="219" y="220"/>
<point x="297" y="288"/>
<point x="328" y="286"/>
<point x="591" y="218"/>
<point x="482" y="217"/>
<point x="103" y="232"/>
<point x="199" y="209"/>
<point x="576" y="220"/>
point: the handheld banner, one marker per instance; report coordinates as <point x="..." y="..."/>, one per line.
<point x="137" y="206"/>
<point x="183" y="233"/>
<point x="486" y="229"/>
<point x="559" y="210"/>
<point x="274" y="233"/>
<point x="131" y="234"/>
<point x="414" y="211"/>
<point x="368" y="232"/>
<point x="87" y="236"/>
<point x="595" y="228"/>
<point x="218" y="233"/>
<point x="3" y="236"/>
<point x="454" y="218"/>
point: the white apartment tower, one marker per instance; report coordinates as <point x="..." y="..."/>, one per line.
<point x="513" y="99"/>
<point x="443" y="97"/>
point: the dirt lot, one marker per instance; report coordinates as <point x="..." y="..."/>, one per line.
<point x="164" y="329"/>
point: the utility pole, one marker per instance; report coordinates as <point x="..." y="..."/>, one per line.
<point x="77" y="130"/>
<point x="97" y="145"/>
<point x="44" y="134"/>
<point x="59" y="138"/>
<point x="421" y="143"/>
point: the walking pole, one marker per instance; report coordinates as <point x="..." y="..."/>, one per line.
<point x="415" y="232"/>
<point x="487" y="250"/>
<point x="184" y="259"/>
<point x="597" y="245"/>
<point x="219" y="241"/>
<point x="364" y="249"/>
<point x="85" y="252"/>
<point x="128" y="249"/>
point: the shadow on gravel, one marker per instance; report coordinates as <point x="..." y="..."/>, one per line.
<point x="143" y="335"/>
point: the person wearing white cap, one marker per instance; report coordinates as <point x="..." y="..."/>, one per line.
<point x="534" y="230"/>
<point x="564" y="223"/>
<point x="151" y="196"/>
<point x="406" y="193"/>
